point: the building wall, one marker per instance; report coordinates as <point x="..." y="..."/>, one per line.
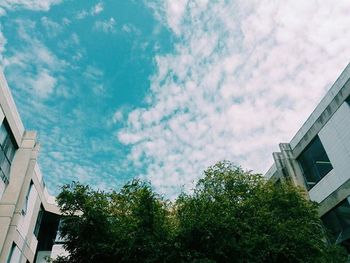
<point x="330" y="122"/>
<point x="23" y="195"/>
<point x="335" y="137"/>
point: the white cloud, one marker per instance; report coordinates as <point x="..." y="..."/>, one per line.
<point x="82" y="14"/>
<point x="3" y="42"/>
<point x="95" y="76"/>
<point x="243" y="77"/>
<point x="28" y="4"/>
<point x="33" y="67"/>
<point x="95" y="10"/>
<point x="57" y="155"/>
<point x="52" y="28"/>
<point x="130" y="28"/>
<point x="98" y="8"/>
<point x="107" y="26"/>
<point x="117" y="117"/>
<point x="65" y="21"/>
<point x="2" y="12"/>
<point x="43" y="84"/>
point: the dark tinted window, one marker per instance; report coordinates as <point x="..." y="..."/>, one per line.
<point x="314" y="162"/>
<point x="9" y="258"/>
<point x="25" y="207"/>
<point x="38" y="222"/>
<point x="337" y="222"/>
<point x="7" y="151"/>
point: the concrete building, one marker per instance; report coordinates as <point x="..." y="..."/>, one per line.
<point x="29" y="217"/>
<point x="318" y="159"/>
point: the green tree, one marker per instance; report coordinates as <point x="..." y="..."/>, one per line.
<point x="236" y="216"/>
<point x="131" y="225"/>
<point x="232" y="215"/>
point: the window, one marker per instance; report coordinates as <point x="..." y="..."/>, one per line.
<point x="337" y="223"/>
<point x="11" y="253"/>
<point x="14" y="255"/>
<point x="38" y="222"/>
<point x="59" y="238"/>
<point x="7" y="151"/>
<point x="314" y="162"/>
<point x="25" y="207"/>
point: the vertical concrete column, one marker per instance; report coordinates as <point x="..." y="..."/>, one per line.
<point x="291" y="165"/>
<point x="14" y="193"/>
<point x="27" y="247"/>
<point x="278" y="158"/>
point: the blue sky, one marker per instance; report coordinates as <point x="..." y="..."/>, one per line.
<point x="163" y="89"/>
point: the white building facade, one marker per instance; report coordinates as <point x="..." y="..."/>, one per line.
<point x="318" y="159"/>
<point x="29" y="217"/>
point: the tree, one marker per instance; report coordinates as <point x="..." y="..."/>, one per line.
<point x="236" y="216"/>
<point x="131" y="225"/>
<point x="232" y="215"/>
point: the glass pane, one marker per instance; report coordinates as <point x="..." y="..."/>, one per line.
<point x="3" y="134"/>
<point x="5" y="167"/>
<point x="38" y="222"/>
<point x="9" y="148"/>
<point x="10" y="151"/>
<point x="15" y="255"/>
<point x="2" y="156"/>
<point x="337" y="222"/>
<point x="314" y="162"/>
<point x="4" y="177"/>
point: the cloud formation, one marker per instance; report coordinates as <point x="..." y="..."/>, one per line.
<point x="106" y="26"/>
<point x="33" y="67"/>
<point x="35" y="5"/>
<point x="95" y="10"/>
<point x="3" y="42"/>
<point x="243" y="77"/>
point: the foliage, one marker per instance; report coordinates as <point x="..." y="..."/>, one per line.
<point x="232" y="215"/>
<point x="127" y="226"/>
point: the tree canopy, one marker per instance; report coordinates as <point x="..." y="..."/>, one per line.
<point x="232" y="215"/>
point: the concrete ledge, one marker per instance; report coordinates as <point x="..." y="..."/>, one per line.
<point x="7" y="210"/>
<point x="322" y="119"/>
<point x="332" y="94"/>
<point x="335" y="198"/>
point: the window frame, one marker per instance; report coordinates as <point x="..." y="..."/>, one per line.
<point x="8" y="148"/>
<point x="309" y="164"/>
<point x="26" y="201"/>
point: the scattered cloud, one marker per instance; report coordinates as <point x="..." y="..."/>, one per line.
<point x="65" y="21"/>
<point x="117" y="117"/>
<point x="82" y="14"/>
<point x="242" y="78"/>
<point x="43" y="83"/>
<point x="36" y="5"/>
<point x="52" y="28"/>
<point x="68" y="153"/>
<point x="46" y="66"/>
<point x="93" y="73"/>
<point x="95" y="10"/>
<point x="98" y="8"/>
<point x="2" y="12"/>
<point x="37" y="64"/>
<point x="95" y="78"/>
<point x="130" y="28"/>
<point x="3" y="42"/>
<point x="106" y="26"/>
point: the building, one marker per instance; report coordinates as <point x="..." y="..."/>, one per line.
<point x="318" y="159"/>
<point x="29" y="217"/>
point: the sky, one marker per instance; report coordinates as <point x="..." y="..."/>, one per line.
<point x="162" y="89"/>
